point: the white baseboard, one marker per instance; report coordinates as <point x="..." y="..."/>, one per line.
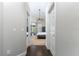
<point x="22" y="54"/>
<point x="53" y="52"/>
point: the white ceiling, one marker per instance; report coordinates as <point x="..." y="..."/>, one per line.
<point x="34" y="6"/>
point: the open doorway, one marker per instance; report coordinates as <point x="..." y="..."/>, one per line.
<point x="38" y="23"/>
<point x="37" y="30"/>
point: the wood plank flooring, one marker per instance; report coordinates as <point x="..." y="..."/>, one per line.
<point x="36" y="41"/>
<point x="38" y="50"/>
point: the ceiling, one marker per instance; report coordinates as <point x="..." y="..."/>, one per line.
<point x="34" y="8"/>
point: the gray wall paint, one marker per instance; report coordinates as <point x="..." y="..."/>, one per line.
<point x="1" y="29"/>
<point x="14" y="28"/>
<point x="67" y="29"/>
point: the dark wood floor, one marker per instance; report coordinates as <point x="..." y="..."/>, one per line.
<point x="38" y="50"/>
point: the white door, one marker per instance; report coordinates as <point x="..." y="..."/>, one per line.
<point x="52" y="24"/>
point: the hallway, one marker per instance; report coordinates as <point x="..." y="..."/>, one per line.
<point x="39" y="29"/>
<point x="38" y="48"/>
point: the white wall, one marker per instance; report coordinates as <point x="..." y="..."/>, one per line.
<point x="52" y="20"/>
<point x="67" y="29"/>
<point x="1" y="29"/>
<point x="14" y="28"/>
<point x="50" y="28"/>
